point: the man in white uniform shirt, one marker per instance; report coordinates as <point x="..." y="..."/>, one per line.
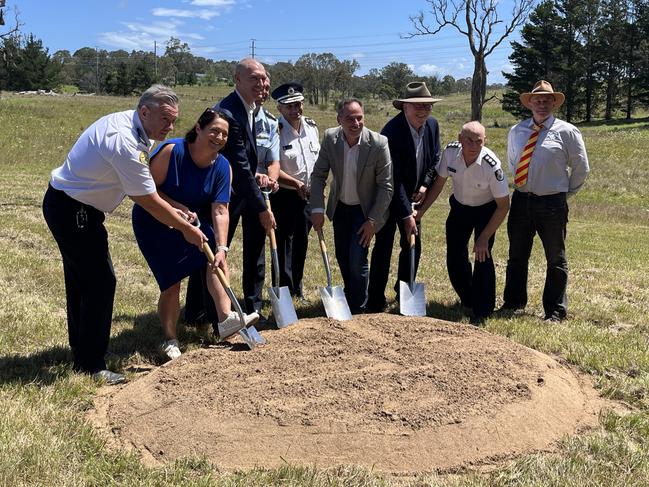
<point x="299" y="148"/>
<point x="547" y="157"/>
<point x="359" y="197"/>
<point x="479" y="204"/>
<point x="109" y="161"/>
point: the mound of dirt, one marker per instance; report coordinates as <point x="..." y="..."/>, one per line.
<point x="397" y="394"/>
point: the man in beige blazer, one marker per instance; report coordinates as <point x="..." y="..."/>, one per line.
<point x="359" y="197"/>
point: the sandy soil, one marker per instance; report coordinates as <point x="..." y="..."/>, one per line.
<point x="400" y="395"/>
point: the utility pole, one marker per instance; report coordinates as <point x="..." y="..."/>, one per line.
<point x="252" y="48"/>
<point x="155" y="59"/>
<point x="97" y="69"/>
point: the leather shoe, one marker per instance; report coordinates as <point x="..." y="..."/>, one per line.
<point x="108" y="377"/>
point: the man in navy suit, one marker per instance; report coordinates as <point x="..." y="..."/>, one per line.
<point x="247" y="202"/>
<point x="413" y="137"/>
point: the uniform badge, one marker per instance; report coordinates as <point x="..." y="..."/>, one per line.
<point x="499" y="174"/>
<point x="489" y="160"/>
<point x="144" y="157"/>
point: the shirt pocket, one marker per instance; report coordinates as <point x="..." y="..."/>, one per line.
<point x="314" y="147"/>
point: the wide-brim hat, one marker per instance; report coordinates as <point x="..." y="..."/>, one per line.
<point x="542" y="88"/>
<point x="416" y="92"/>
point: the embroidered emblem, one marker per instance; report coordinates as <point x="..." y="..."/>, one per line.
<point x="144" y="157"/>
<point x="499" y="174"/>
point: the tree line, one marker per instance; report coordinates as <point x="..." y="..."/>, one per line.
<point x="595" y="51"/>
<point x="25" y="64"/>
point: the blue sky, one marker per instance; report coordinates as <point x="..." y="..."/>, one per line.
<point x="365" y="30"/>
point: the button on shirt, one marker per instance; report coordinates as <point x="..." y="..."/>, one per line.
<point x="349" y="193"/>
<point x="109" y="161"/>
<point x="299" y="150"/>
<point x="559" y="163"/>
<point x="266" y="133"/>
<point x="476" y="184"/>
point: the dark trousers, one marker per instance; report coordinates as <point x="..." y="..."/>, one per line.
<point x="350" y="254"/>
<point x="476" y="287"/>
<point x="381" y="257"/>
<point x="293" y="217"/>
<point x="548" y="216"/>
<point x="198" y="301"/>
<point x="89" y="276"/>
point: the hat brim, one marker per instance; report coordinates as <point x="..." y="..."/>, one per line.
<point x="398" y="103"/>
<point x="288" y="99"/>
<point x="559" y="98"/>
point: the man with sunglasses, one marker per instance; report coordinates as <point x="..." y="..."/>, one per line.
<point x="413" y="137"/>
<point x="299" y="148"/>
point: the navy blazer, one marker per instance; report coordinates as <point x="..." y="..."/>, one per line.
<point x="241" y="151"/>
<point x="404" y="161"/>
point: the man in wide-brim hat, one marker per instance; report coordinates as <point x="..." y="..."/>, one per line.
<point x="548" y="161"/>
<point x="413" y="137"/>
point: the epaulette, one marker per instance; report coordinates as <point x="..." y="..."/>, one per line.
<point x="454" y="144"/>
<point x="490" y="160"/>
<point x="310" y="121"/>
<point x="269" y="115"/>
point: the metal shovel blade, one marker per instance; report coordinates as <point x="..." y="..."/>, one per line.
<point x="335" y="303"/>
<point x="412" y="301"/>
<point x="283" y="309"/>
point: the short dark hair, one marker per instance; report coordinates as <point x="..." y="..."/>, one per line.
<point x="206" y="118"/>
<point x="347" y="101"/>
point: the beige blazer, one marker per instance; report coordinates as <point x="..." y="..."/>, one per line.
<point x="374" y="174"/>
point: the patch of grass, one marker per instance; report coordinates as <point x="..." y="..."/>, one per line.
<point x="44" y="439"/>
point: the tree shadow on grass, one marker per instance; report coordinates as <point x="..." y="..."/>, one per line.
<point x="43" y="367"/>
<point x="618" y="122"/>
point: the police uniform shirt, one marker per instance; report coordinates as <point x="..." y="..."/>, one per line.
<point x="559" y="162"/>
<point x="477" y="184"/>
<point x="299" y="150"/>
<point x="266" y="132"/>
<point x="109" y="161"/>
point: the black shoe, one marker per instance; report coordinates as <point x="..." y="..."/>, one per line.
<point x="477" y="320"/>
<point x="553" y="319"/>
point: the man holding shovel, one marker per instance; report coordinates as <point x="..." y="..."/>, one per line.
<point x="414" y="148"/>
<point x="360" y="193"/>
<point x="479" y="204"/>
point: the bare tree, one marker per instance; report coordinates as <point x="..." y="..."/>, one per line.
<point x="13" y="27"/>
<point x="479" y="21"/>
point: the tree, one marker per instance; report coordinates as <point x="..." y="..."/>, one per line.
<point x="536" y="57"/>
<point x="397" y="76"/>
<point x="477" y="20"/>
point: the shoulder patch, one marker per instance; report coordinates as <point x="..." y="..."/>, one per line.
<point x="144" y="158"/>
<point x="454" y="144"/>
<point x="269" y="115"/>
<point x="489" y="160"/>
<point x="310" y="121"/>
<point x="499" y="174"/>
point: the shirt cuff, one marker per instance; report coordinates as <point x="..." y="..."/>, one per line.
<point x="317" y="210"/>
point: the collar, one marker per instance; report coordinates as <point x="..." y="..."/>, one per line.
<point x="414" y="131"/>
<point x="250" y="107"/>
<point x="546" y="125"/>
<point x="342" y="134"/>
<point x="142" y="136"/>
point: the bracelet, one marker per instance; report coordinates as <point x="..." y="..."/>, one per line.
<point x="224" y="248"/>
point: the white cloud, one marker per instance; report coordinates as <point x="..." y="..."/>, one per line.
<point x="127" y="41"/>
<point x="141" y="36"/>
<point x="356" y="55"/>
<point x="172" y="12"/>
<point x="428" y="69"/>
<point x="212" y="3"/>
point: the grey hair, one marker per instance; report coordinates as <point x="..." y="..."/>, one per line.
<point x="343" y="103"/>
<point x="157" y="94"/>
<point x="473" y="126"/>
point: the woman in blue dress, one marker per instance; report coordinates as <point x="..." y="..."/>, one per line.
<point x="194" y="178"/>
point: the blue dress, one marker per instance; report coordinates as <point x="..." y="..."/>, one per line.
<point x="170" y="257"/>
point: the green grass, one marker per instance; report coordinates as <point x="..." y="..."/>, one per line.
<point x="45" y="440"/>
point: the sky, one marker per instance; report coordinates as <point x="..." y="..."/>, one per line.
<point x="372" y="32"/>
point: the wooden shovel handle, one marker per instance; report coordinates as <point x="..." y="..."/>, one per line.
<point x="412" y="240"/>
<point x="321" y="239"/>
<point x="219" y="272"/>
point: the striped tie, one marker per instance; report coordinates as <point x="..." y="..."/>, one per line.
<point x="520" y="177"/>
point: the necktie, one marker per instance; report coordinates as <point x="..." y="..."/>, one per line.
<point x="520" y="177"/>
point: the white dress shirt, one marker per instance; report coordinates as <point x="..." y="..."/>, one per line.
<point x="559" y="162"/>
<point x="250" y="109"/>
<point x="109" y="161"/>
<point x="418" y="140"/>
<point x="349" y="190"/>
<point x="298" y="150"/>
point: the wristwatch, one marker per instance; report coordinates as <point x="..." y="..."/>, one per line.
<point x="224" y="248"/>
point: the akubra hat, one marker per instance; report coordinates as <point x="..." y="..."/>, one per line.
<point x="416" y="92"/>
<point x="542" y="88"/>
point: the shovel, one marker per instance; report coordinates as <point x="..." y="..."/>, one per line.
<point x="333" y="298"/>
<point x="280" y="297"/>
<point x="249" y="334"/>
<point x="411" y="295"/>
